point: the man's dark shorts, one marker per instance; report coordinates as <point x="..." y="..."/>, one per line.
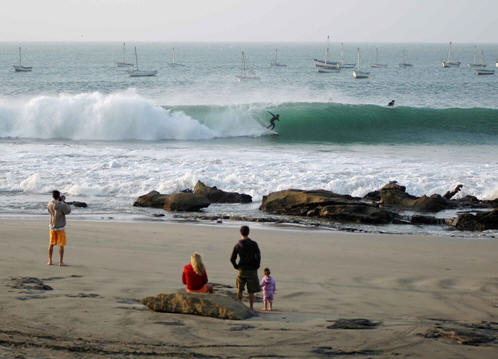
<point x="249" y="277"/>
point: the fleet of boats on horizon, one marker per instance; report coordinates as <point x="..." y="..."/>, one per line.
<point x="322" y="66"/>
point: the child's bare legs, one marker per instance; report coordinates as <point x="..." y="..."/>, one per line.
<point x="266" y="305"/>
<point x="50" y="251"/>
<point x="61" y="255"/>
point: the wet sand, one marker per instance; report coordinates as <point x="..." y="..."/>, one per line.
<point x="410" y="284"/>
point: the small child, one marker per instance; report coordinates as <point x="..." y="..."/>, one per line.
<point x="269" y="287"/>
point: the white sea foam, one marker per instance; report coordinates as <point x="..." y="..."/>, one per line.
<point x="97" y="116"/>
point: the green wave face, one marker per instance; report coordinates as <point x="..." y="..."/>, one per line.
<point x="340" y="123"/>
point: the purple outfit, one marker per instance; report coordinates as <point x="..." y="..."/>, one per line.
<point x="269" y="286"/>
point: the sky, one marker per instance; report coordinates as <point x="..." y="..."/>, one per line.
<point x="469" y="21"/>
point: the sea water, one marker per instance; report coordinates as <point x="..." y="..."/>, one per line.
<point x="80" y="124"/>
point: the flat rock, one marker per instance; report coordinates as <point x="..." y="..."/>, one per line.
<point x="358" y="323"/>
<point x="215" y="195"/>
<point x="325" y="204"/>
<point x="480" y="221"/>
<point x="395" y="195"/>
<point x="464" y="336"/>
<point x="217" y="305"/>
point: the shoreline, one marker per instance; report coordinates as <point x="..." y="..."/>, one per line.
<point x="411" y="284"/>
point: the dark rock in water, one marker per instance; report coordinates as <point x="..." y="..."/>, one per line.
<point x="151" y="199"/>
<point x="325" y="204"/>
<point x="481" y="221"/>
<point x="394" y="195"/>
<point x="331" y="352"/>
<point x="358" y="323"/>
<point x="182" y="201"/>
<point x="420" y="219"/>
<point x="218" y="305"/>
<point x="216" y="195"/>
<point x="372" y="196"/>
<point x="450" y="194"/>
<point x="28" y="283"/>
<point x="78" y="204"/>
<point x="188" y="202"/>
<point x="360" y="213"/>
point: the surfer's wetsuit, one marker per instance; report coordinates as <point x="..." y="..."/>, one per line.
<point x="391" y="104"/>
<point x="272" y="121"/>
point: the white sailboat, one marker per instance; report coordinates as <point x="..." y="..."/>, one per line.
<point x="482" y="70"/>
<point x="448" y="63"/>
<point x="20" y="67"/>
<point x="124" y="63"/>
<point x="275" y="61"/>
<point x="358" y="74"/>
<point x="377" y="64"/>
<point x="326" y="66"/>
<point x="140" y="73"/>
<point x="174" y="63"/>
<point x="403" y="63"/>
<point x="475" y="64"/>
<point x="243" y="75"/>
<point x="342" y="64"/>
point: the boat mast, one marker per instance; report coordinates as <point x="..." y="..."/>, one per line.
<point x="449" y="52"/>
<point x="20" y="56"/>
<point x="342" y="53"/>
<point x="358" y="50"/>
<point x="327" y="50"/>
<point x="136" y="58"/>
<point x="475" y="54"/>
<point x="243" y="64"/>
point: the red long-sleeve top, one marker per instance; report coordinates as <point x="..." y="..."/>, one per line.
<point x="192" y="279"/>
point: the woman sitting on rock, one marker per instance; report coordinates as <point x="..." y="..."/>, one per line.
<point x="195" y="276"/>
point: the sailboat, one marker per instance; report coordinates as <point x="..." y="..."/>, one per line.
<point x="377" y="64"/>
<point x="403" y="63"/>
<point x="275" y="61"/>
<point x="342" y="64"/>
<point x="243" y="75"/>
<point x="326" y="66"/>
<point x="448" y="62"/>
<point x="358" y="74"/>
<point x="482" y="70"/>
<point x="124" y="63"/>
<point x="20" y="67"/>
<point x="140" y="73"/>
<point x="475" y="65"/>
<point x="174" y="63"/>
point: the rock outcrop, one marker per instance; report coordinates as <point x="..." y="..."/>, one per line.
<point x="325" y="204"/>
<point x="394" y="195"/>
<point x="152" y="199"/>
<point x="182" y="201"/>
<point x="215" y="195"/>
<point x="218" y="305"/>
<point x="480" y="221"/>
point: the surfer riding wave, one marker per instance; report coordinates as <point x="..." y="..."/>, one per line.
<point x="274" y="118"/>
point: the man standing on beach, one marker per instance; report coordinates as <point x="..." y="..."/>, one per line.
<point x="57" y="208"/>
<point x="249" y="262"/>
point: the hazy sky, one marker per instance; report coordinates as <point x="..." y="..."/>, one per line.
<point x="250" y="20"/>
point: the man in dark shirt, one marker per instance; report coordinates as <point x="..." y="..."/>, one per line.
<point x="249" y="262"/>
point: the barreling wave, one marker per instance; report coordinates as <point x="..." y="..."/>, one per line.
<point x="340" y="123"/>
<point x="128" y="116"/>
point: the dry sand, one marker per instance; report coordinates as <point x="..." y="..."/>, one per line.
<point x="408" y="283"/>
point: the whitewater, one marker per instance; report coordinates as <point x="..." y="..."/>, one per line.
<point x="79" y="124"/>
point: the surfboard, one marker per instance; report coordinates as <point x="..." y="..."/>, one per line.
<point x="272" y="133"/>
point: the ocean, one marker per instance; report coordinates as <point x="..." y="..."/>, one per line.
<point x="80" y="124"/>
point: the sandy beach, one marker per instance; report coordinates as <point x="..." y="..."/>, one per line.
<point x="410" y="284"/>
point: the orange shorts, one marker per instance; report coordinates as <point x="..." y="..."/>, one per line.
<point x="58" y="238"/>
<point x="204" y="289"/>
